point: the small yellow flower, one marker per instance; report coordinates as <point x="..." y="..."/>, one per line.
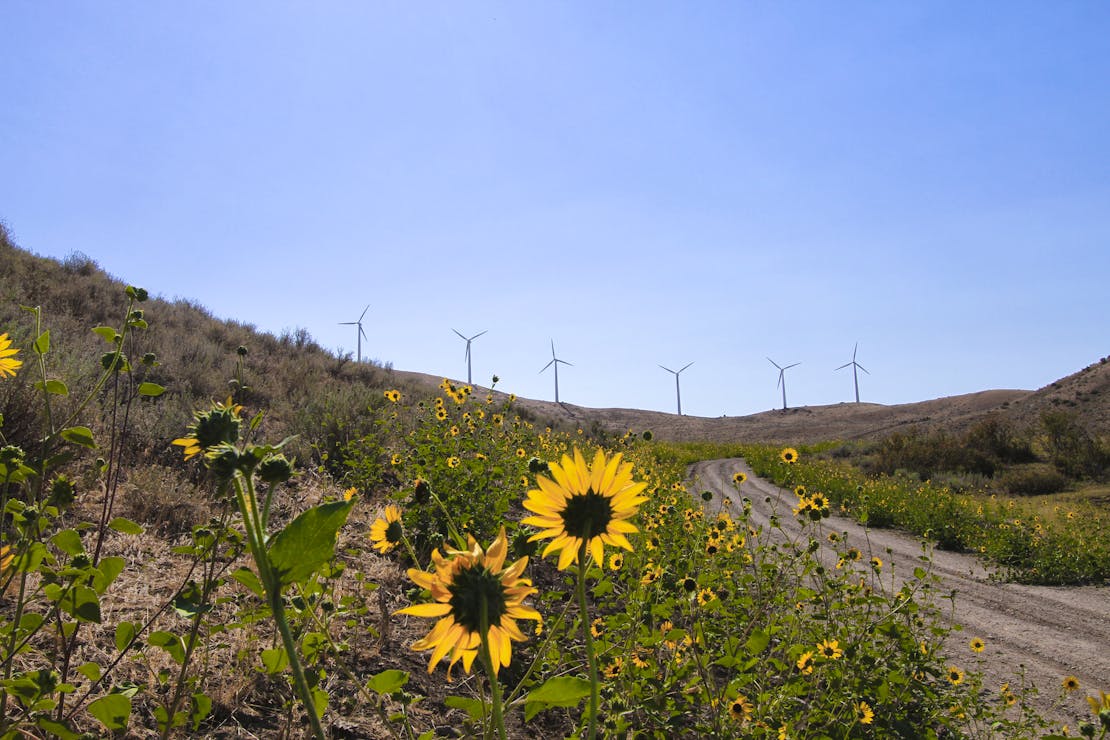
<point x="349" y="493"/>
<point x="453" y="462"/>
<point x="393" y="395"/>
<point x="955" y="675"/>
<point x="596" y="627"/>
<point x="6" y="558"/>
<point x="386" y="530"/>
<point x="396" y="459"/>
<point x="865" y="713"/>
<point x="1070" y="683"/>
<point x="739" y="478"/>
<point x="805" y="663"/>
<point x="789" y="455"/>
<point x="8" y="363"/>
<point x="829" y="649"/>
<point x="741" y="709"/>
<point x="706" y="595"/>
<point x="454" y="430"/>
<point x="614" y="668"/>
<point x="521" y="453"/>
<point x="877" y="563"/>
<point x="616" y="561"/>
<point x="976" y="645"/>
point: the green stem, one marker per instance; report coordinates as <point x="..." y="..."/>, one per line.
<point x="271" y="583"/>
<point x="590" y="657"/>
<point x="494" y="683"/>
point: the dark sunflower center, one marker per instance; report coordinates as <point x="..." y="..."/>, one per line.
<point x="469" y="589"/>
<point x="587" y="515"/>
<point x="393" y="533"/>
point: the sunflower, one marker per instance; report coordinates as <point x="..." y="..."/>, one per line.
<point x="453" y="461"/>
<point x="614" y="669"/>
<point x="976" y="645"/>
<point x="805" y="663"/>
<point x="6" y="558"/>
<point x="210" y="429"/>
<point x="471" y="591"/>
<point x="789" y="455"/>
<point x="616" y="561"/>
<point x="865" y="713"/>
<point x="706" y="595"/>
<point x="955" y="675"/>
<point x="877" y="564"/>
<point x="393" y="396"/>
<point x="584" y="507"/>
<point x="1070" y="683"/>
<point x="8" y="363"/>
<point x="386" y="530"/>
<point x="829" y="649"/>
<point x="739" y="478"/>
<point x="740" y="709"/>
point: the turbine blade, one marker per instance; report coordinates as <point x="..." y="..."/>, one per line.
<point x="362" y="333"/>
<point x="364" y="311"/>
<point x="861" y="367"/>
<point x="854" y="351"/>
<point x="548" y="365"/>
<point x="846" y="364"/>
<point x="478" y="334"/>
<point x="460" y="335"/>
<point x="347" y="323"/>
<point x="667" y="369"/>
<point x="774" y="363"/>
<point x="688" y="364"/>
<point x="790" y="366"/>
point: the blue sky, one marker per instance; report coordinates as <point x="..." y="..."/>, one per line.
<point x="643" y="183"/>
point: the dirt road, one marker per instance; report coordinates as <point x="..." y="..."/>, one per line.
<point x="1052" y="631"/>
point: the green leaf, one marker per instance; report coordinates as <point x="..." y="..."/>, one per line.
<point x="313" y="644"/>
<point x="42" y="343"/>
<point x="247" y="577"/>
<point x="79" y="436"/>
<point x="151" y="389"/>
<point x="308" y="542"/>
<point x="125" y="526"/>
<point x="320" y="700"/>
<point x="169" y="642"/>
<point x="561" y="691"/>
<point x="202" y="707"/>
<point x="275" y="660"/>
<point x="83" y="604"/>
<point x="90" y="671"/>
<point x="387" y="681"/>
<point x="113" y="711"/>
<point x="54" y="387"/>
<point x="472" y="707"/>
<point x="125" y="633"/>
<point x="57" y="729"/>
<point x="69" y="542"/>
<point x="919" y="573"/>
<point x="758" y="642"/>
<point x="108" y="333"/>
<point x="109" y="569"/>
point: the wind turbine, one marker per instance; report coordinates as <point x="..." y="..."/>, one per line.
<point x="855" y="366"/>
<point x="468" y="340"/>
<point x="782" y="378"/>
<point x="361" y="333"/>
<point x="677" y="392"/>
<point x="555" y="361"/>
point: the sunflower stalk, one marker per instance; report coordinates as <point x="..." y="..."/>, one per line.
<point x="591" y="658"/>
<point x="498" y="718"/>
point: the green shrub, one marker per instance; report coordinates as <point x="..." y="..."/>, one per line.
<point x="1032" y="480"/>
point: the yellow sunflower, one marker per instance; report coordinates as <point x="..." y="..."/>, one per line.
<point x="789" y="455"/>
<point x="865" y="713"/>
<point x="1070" y="683"/>
<point x="6" y="558"/>
<point x="8" y="363"/>
<point x="739" y="478"/>
<point x="805" y="663"/>
<point x="976" y="645"/>
<point x="955" y="675"/>
<point x="472" y="591"/>
<point x="393" y="395"/>
<point x="386" y="530"/>
<point x="829" y="649"/>
<point x="584" y="507"/>
<point x="740" y="709"/>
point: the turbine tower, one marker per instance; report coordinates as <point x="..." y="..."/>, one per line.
<point x="555" y="361"/>
<point x="782" y="378"/>
<point x="677" y="391"/>
<point x="361" y="333"/>
<point x="855" y="366"/>
<point x="468" y="340"/>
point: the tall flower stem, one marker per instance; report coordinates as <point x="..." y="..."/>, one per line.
<point x="494" y="683"/>
<point x="583" y="556"/>
<point x="248" y="507"/>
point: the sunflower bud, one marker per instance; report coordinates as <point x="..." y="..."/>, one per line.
<point x="275" y="469"/>
<point x="62" y="492"/>
<point x="223" y="460"/>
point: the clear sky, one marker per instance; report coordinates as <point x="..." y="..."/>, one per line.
<point x="644" y="183"/>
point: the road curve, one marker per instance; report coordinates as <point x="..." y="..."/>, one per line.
<point x="1052" y="631"/>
